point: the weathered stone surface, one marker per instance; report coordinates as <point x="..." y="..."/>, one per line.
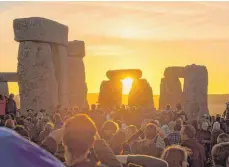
<point x="177" y="72"/>
<point x="37" y="83"/>
<point x="141" y="94"/>
<point x="8" y="77"/>
<point x="77" y="85"/>
<point x="195" y="91"/>
<point x="4" y="90"/>
<point x="40" y="29"/>
<point x="110" y="94"/>
<point x="170" y="92"/>
<point x="76" y="48"/>
<point x="61" y="66"/>
<point x="122" y="74"/>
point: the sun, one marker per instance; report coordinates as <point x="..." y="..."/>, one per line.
<point x="126" y="85"/>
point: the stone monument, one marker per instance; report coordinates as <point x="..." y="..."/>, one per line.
<point x="76" y="74"/>
<point x="42" y="63"/>
<point x="111" y="91"/>
<point x="194" y="95"/>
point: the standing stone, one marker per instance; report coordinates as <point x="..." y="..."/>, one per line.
<point x="171" y="92"/>
<point x="76" y="74"/>
<point x="163" y="95"/>
<point x="60" y="59"/>
<point x="110" y="94"/>
<point x="4" y="90"/>
<point x="37" y="82"/>
<point x="77" y="83"/>
<point x="196" y="91"/>
<point x="171" y="88"/>
<point x="141" y="93"/>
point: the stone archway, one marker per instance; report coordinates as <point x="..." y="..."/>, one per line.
<point x="110" y="94"/>
<point x="6" y="77"/>
<point x="195" y="91"/>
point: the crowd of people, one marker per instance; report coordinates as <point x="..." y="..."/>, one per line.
<point x="121" y="136"/>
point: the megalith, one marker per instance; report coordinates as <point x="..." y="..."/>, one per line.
<point x="110" y="94"/>
<point x="195" y="91"/>
<point x="111" y="91"/>
<point x="42" y="83"/>
<point x="141" y="94"/>
<point x="170" y="88"/>
<point x="37" y="83"/>
<point x="76" y="74"/>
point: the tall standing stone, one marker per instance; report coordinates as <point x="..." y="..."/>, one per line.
<point x="110" y="94"/>
<point x="38" y="81"/>
<point x="141" y="94"/>
<point x="76" y="74"/>
<point x="196" y="91"/>
<point x="60" y="59"/>
<point x="171" y="88"/>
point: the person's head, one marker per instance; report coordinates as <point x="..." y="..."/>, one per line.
<point x="183" y="118"/>
<point x="76" y="109"/>
<point x="218" y="118"/>
<point x="131" y="129"/>
<point x="178" y="106"/>
<point x="109" y="128"/>
<point x="19" y="121"/>
<point x="177" y="127"/>
<point x="1" y="97"/>
<point x="187" y="132"/>
<point x="168" y="107"/>
<point x="10" y="124"/>
<point x="42" y="111"/>
<point x="57" y="118"/>
<point x="30" y="111"/>
<point x="49" y="127"/>
<point x="123" y="106"/>
<point x="204" y="126"/>
<point x="223" y="138"/>
<point x="175" y="156"/>
<point x="11" y="96"/>
<point x="166" y="129"/>
<point x="216" y="126"/>
<point x="6" y="117"/>
<point x="171" y="125"/>
<point x="22" y="131"/>
<point x="93" y="107"/>
<point x="78" y="136"/>
<point x="117" y="141"/>
<point x="220" y="154"/>
<point x="150" y="131"/>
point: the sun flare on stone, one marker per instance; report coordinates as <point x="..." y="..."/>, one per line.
<point x="126" y="85"/>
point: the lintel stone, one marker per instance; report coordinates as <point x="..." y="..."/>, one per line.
<point x="41" y="30"/>
<point x="8" y="77"/>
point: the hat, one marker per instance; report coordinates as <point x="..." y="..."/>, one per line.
<point x="18" y="152"/>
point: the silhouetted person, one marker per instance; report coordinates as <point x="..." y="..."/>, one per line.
<point x="11" y="105"/>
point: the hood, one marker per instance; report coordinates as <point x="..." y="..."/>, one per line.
<point x="18" y="152"/>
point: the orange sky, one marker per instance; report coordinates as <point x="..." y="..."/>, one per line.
<point x="146" y="35"/>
